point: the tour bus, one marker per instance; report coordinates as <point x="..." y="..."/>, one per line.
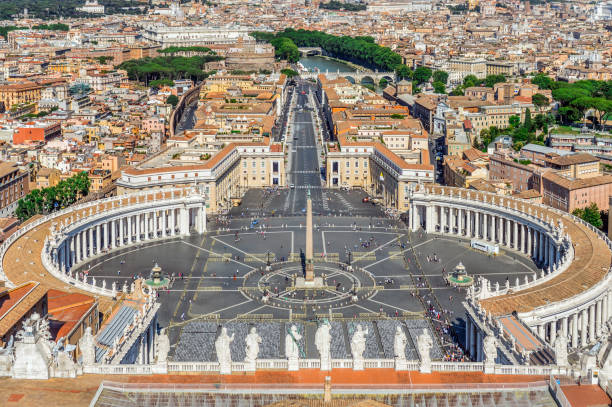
<point x="484" y="246"/>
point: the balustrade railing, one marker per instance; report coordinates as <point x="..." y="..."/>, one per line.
<point x="148" y="197"/>
<point x="282" y="364"/>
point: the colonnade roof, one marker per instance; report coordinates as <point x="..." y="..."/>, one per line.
<point x="592" y="258"/>
<point x="22" y="262"/>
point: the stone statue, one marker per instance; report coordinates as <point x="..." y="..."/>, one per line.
<point x="291" y="343"/>
<point x="87" y="347"/>
<point x="292" y="348"/>
<point x="561" y="350"/>
<point x="323" y="344"/>
<point x="162" y="346"/>
<point x="358" y="345"/>
<point x="399" y="349"/>
<point x="399" y="344"/>
<point x="424" y="345"/>
<point x="6" y="358"/>
<point x="224" y="356"/>
<point x="489" y="348"/>
<point x="33" y="354"/>
<point x="252" y="346"/>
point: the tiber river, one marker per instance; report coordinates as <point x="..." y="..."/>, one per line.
<point x="323" y="64"/>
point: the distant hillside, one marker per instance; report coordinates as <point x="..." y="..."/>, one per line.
<point x="52" y="9"/>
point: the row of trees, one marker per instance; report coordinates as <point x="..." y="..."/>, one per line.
<point x="360" y="50"/>
<point x="54" y="27"/>
<point x="51" y="9"/>
<point x="46" y="200"/>
<point x="579" y="98"/>
<point x="471" y="80"/>
<point x="338" y="5"/>
<point x="174" y="50"/>
<point x="152" y="69"/>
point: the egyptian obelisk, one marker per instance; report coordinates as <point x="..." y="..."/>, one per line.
<point x="309" y="253"/>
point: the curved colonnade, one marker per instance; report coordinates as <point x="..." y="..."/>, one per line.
<point x="573" y="293"/>
<point x="69" y="238"/>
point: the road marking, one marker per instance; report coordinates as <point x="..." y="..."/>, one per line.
<point x="378" y="248"/>
<point x="392" y="306"/>
<point x="218" y="254"/>
<point x="397" y="254"/>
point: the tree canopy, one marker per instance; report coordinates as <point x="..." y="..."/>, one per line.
<point x="289" y="72"/>
<point x="46" y="200"/>
<point x="338" y="5"/>
<point x="172" y="100"/>
<point x="53" y="9"/>
<point x="422" y="74"/>
<point x="440" y="76"/>
<point x="168" y="67"/>
<point x="439" y="87"/>
<point x="590" y="214"/>
<point x="360" y="50"/>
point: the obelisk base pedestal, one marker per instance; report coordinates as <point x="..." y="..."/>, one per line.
<point x="316" y="282"/>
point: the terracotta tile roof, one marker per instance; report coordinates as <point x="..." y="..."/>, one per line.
<point x="573" y="184"/>
<point x="573" y="159"/>
<point x="528" y="194"/>
<point x="17" y="302"/>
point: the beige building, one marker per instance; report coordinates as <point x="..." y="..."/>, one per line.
<point x="223" y="178"/>
<point x="371" y="166"/>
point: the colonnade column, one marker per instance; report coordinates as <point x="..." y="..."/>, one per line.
<point x="553" y="332"/>
<point x="154" y="225"/>
<point x="469" y="224"/>
<point x="584" y="324"/>
<point x="121" y="231"/>
<point x="591" y="323"/>
<point x="78" y="247"/>
<point x="529" y="245"/>
<point x="598" y="316"/>
<point x="574" y="324"/>
<point x="138" y="227"/>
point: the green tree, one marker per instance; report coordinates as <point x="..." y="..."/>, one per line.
<point x="540" y="101"/>
<point x="590" y="214"/>
<point x="491" y="80"/>
<point x="383" y="83"/>
<point x="422" y="74"/>
<point x="172" y="100"/>
<point x="528" y="123"/>
<point x="158" y="83"/>
<point x="440" y="76"/>
<point x="543" y="81"/>
<point x="470" y="80"/>
<point x="514" y="121"/>
<point x="403" y="72"/>
<point x="439" y="87"/>
<point x="290" y="73"/>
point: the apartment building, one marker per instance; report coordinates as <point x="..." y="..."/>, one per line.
<point x="14" y="185"/>
<point x="19" y="93"/>
<point x="371" y="166"/>
<point x="37" y="131"/>
<point x="462" y="171"/>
